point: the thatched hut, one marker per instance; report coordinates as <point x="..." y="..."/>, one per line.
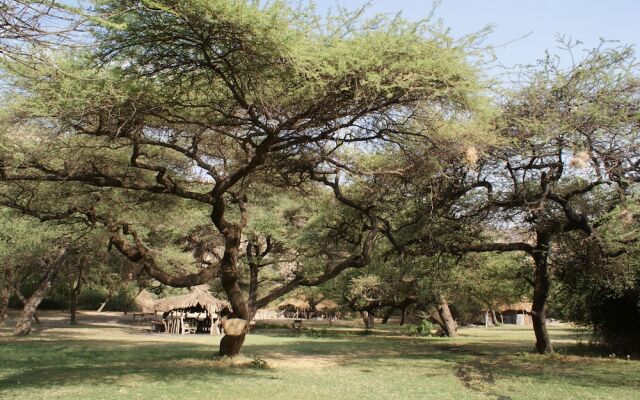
<point x="295" y="307"/>
<point x="518" y="313"/>
<point x="326" y="308"/>
<point x="197" y="311"/>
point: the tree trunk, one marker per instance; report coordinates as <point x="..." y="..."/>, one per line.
<point x="387" y="315"/>
<point x="23" y="324"/>
<point x="403" y="315"/>
<point x="5" y="295"/>
<point x="230" y="345"/>
<point x="449" y="326"/>
<point x="104" y="303"/>
<point x="494" y="318"/>
<point x="73" y="310"/>
<point x="229" y="276"/>
<point x="541" y="286"/>
<point x="75" y="293"/>
<point x="253" y="290"/>
<point x="235" y="330"/>
<point x="368" y="318"/>
<point x="24" y="300"/>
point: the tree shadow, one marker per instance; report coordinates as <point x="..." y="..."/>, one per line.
<point x="59" y="359"/>
<point x="478" y="365"/>
<point x="59" y="362"/>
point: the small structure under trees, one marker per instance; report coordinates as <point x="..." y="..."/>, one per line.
<point x="194" y="312"/>
<point x="295" y="307"/>
<point x="518" y="314"/>
<point x="327" y="309"/>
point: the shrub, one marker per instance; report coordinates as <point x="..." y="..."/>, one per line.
<point x="258" y="362"/>
<point x="422" y="328"/>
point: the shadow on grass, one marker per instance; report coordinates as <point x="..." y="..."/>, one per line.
<point x="60" y="362"/>
<point x="478" y="365"/>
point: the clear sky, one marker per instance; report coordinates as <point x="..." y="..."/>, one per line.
<point x="586" y="20"/>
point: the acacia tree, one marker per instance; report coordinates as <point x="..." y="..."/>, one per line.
<point x="44" y="23"/>
<point x="572" y="157"/>
<point x="201" y="100"/>
<point x="34" y="253"/>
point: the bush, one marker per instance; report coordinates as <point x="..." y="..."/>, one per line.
<point x="422" y="328"/>
<point x="259" y="363"/>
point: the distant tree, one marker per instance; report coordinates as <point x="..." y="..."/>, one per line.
<point x="571" y="157"/>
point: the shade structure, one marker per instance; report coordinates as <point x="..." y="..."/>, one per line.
<point x="198" y="297"/>
<point x="326" y="305"/>
<point x="522" y="306"/>
<point x="297" y="303"/>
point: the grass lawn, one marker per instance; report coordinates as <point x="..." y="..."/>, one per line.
<point x="108" y="358"/>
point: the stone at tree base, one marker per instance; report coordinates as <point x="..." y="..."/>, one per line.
<point x="234" y="326"/>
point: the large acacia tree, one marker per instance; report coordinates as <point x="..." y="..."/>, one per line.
<point x="199" y="101"/>
<point x="571" y="158"/>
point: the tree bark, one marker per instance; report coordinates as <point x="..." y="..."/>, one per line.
<point x="253" y="291"/>
<point x="235" y="331"/>
<point x="403" y="315"/>
<point x="494" y="318"/>
<point x="23" y="324"/>
<point x="75" y="293"/>
<point x="104" y="303"/>
<point x="230" y="345"/>
<point x="387" y="315"/>
<point x="229" y="277"/>
<point x="541" y="286"/>
<point x="5" y="295"/>
<point x="368" y="318"/>
<point x="23" y="300"/>
<point x="449" y="326"/>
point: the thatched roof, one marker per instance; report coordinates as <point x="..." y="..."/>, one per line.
<point x="326" y="305"/>
<point x="199" y="296"/>
<point x="297" y="303"/>
<point x="145" y="302"/>
<point x="522" y="306"/>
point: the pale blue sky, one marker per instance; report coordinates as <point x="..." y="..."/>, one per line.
<point x="586" y="20"/>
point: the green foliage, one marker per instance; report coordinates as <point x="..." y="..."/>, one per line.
<point x="350" y="368"/>
<point x="423" y="328"/>
<point x="259" y="363"/>
<point x="315" y="333"/>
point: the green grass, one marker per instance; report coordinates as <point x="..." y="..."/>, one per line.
<point x="111" y="362"/>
